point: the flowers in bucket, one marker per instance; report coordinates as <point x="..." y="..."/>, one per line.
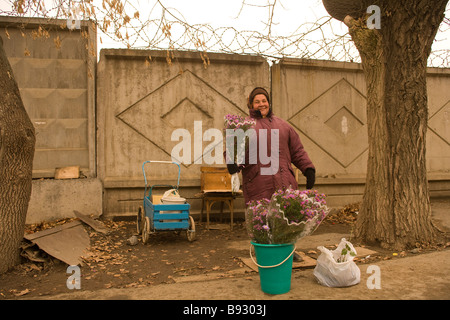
<point x="256" y="220"/>
<point x="288" y="216"/>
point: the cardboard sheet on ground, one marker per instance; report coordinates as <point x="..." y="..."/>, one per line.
<point x="67" y="242"/>
<point x="95" y="224"/>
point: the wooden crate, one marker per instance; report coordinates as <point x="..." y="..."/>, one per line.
<point x="215" y="179"/>
<point x="156" y="198"/>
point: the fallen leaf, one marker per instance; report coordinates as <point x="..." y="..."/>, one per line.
<point x="133" y="284"/>
<point x="22" y="293"/>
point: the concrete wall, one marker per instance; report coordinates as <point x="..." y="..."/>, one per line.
<point x="326" y="102"/>
<point x="57" y="86"/>
<point x="140" y="104"/>
<point x="56" y="199"/>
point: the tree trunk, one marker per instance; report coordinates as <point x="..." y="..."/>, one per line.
<point x="17" y="141"/>
<point x="396" y="211"/>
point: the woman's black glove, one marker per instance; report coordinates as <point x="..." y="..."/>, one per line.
<point x="233" y="168"/>
<point x="310" y="174"/>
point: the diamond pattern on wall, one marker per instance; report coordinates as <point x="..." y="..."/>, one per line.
<point x="344" y="122"/>
<point x="190" y="112"/>
<point x="336" y="122"/>
<point x="177" y="104"/>
<point x="439" y="122"/>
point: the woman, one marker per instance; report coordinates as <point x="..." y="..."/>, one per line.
<point x="257" y="185"/>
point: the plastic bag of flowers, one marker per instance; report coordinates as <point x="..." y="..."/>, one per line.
<point x="336" y="268"/>
<point x="288" y="216"/>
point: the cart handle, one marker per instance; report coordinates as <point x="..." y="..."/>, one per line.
<point x="159" y="161"/>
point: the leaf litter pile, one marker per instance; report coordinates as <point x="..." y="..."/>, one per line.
<point x="345" y="215"/>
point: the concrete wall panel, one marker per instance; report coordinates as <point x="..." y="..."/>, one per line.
<point x="57" y="86"/>
<point x="141" y="104"/>
<point x="326" y="102"/>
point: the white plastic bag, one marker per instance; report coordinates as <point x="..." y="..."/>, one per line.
<point x="235" y="183"/>
<point x="172" y="197"/>
<point x="171" y="193"/>
<point x="336" y="268"/>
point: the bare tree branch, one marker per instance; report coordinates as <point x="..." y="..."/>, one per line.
<point x="166" y="28"/>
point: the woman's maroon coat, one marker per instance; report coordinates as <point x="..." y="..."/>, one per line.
<point x="256" y="185"/>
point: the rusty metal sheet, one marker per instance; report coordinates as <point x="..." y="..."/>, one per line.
<point x="67" y="242"/>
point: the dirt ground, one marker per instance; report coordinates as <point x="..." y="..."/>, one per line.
<point x="112" y="263"/>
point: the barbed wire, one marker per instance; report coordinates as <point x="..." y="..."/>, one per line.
<point x="122" y="22"/>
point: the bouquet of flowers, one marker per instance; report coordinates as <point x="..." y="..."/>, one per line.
<point x="238" y="122"/>
<point x="288" y="216"/>
<point x="235" y="150"/>
<point x="231" y="125"/>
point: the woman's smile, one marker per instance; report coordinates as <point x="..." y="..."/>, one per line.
<point x="260" y="103"/>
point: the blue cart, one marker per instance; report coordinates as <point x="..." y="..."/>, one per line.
<point x="163" y="217"/>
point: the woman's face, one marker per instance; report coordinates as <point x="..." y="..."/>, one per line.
<point x="260" y="103"/>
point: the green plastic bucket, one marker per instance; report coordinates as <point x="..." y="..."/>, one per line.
<point x="274" y="263"/>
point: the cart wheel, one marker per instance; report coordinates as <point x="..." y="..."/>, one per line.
<point x="140" y="220"/>
<point x="191" y="230"/>
<point x="146" y="230"/>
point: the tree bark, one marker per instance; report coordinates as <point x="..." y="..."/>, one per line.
<point x="17" y="142"/>
<point x="396" y="211"/>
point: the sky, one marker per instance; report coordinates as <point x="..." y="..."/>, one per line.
<point x="289" y="15"/>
